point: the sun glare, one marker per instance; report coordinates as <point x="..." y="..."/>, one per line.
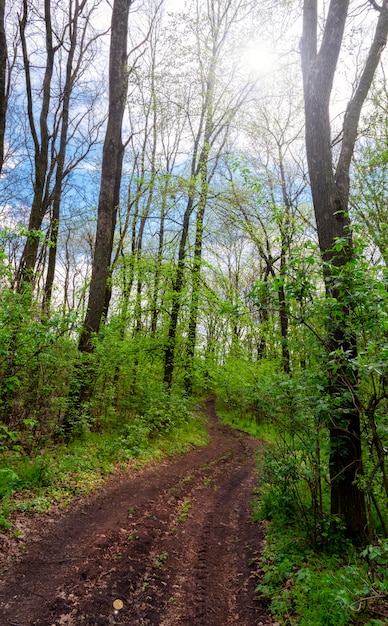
<point x="258" y="59"/>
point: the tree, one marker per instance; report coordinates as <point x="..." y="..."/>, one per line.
<point x="215" y="106"/>
<point x="111" y="169"/>
<point x="41" y="140"/>
<point x="370" y="189"/>
<point x="268" y="187"/>
<point x="63" y="42"/>
<point x="330" y="193"/>
<point x="73" y="65"/>
<point x="3" y="81"/>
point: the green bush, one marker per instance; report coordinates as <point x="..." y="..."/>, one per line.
<point x="36" y="358"/>
<point x="135" y="438"/>
<point x="163" y="413"/>
<point x="8" y="481"/>
<point x="306" y="588"/>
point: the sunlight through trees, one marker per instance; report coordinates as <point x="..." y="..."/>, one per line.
<point x="193" y="199"/>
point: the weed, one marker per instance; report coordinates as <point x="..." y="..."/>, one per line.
<point x="161" y="559"/>
<point x="8" y="438"/>
<point x="311" y="572"/>
<point x="4" y="523"/>
<point x="184" y="511"/>
<point x="8" y="481"/>
<point x="304" y="587"/>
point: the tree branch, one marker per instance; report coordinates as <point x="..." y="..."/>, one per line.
<point x="353" y="110"/>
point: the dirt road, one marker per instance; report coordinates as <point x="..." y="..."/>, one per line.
<point x="170" y="545"/>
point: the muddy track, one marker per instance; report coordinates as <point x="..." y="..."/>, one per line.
<point x="173" y="542"/>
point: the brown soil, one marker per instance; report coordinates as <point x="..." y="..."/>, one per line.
<point x="173" y="542"/>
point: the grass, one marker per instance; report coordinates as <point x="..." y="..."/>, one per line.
<point x="184" y="514"/>
<point x="246" y="422"/>
<point x="304" y="587"/>
<point x="336" y="585"/>
<point x="60" y="473"/>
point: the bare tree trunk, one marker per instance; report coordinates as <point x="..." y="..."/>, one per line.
<point x="112" y="158"/>
<point x="330" y="192"/>
<point x="3" y="81"/>
<point x="158" y="268"/>
<point x="39" y="206"/>
<point x="284" y="321"/>
<point x="57" y="192"/>
<point x="111" y="170"/>
<point x="195" y="287"/>
<point x="176" y="294"/>
<point x="150" y="194"/>
<point x="203" y="197"/>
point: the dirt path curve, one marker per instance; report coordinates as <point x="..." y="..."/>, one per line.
<point x="173" y="542"/>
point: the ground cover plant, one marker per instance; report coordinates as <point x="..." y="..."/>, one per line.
<point x="56" y="474"/>
<point x="311" y="571"/>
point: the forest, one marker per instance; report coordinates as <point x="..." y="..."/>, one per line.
<point x="194" y="201"/>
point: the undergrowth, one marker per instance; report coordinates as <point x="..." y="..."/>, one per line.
<point x="305" y="587"/>
<point x="58" y="473"/>
<point x="311" y="573"/>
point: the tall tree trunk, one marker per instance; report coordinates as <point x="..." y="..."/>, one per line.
<point x="196" y="273"/>
<point x="112" y="159"/>
<point x="330" y="192"/>
<point x="3" y="81"/>
<point x="57" y="192"/>
<point x="283" y="315"/>
<point x="203" y="174"/>
<point x="111" y="169"/>
<point x="176" y="292"/>
<point x="158" y="269"/>
<point x="150" y="196"/>
<point x="39" y="206"/>
<point x="284" y="248"/>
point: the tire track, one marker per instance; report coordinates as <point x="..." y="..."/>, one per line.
<point x="172" y="542"/>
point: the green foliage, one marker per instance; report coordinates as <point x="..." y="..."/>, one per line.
<point x="304" y="587"/>
<point x="164" y="413"/>
<point x="29" y="474"/>
<point x="8" y="438"/>
<point x="243" y="387"/>
<point x="36" y="356"/>
<point x="369" y="189"/>
<point x="282" y="475"/>
<point x="62" y="471"/>
<point x="8" y="481"/>
<point x="135" y="438"/>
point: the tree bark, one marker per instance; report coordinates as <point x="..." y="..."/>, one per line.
<point x="25" y="274"/>
<point x="3" y="81"/>
<point x="158" y="266"/>
<point x="176" y="293"/>
<point x="112" y="159"/>
<point x="57" y="191"/>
